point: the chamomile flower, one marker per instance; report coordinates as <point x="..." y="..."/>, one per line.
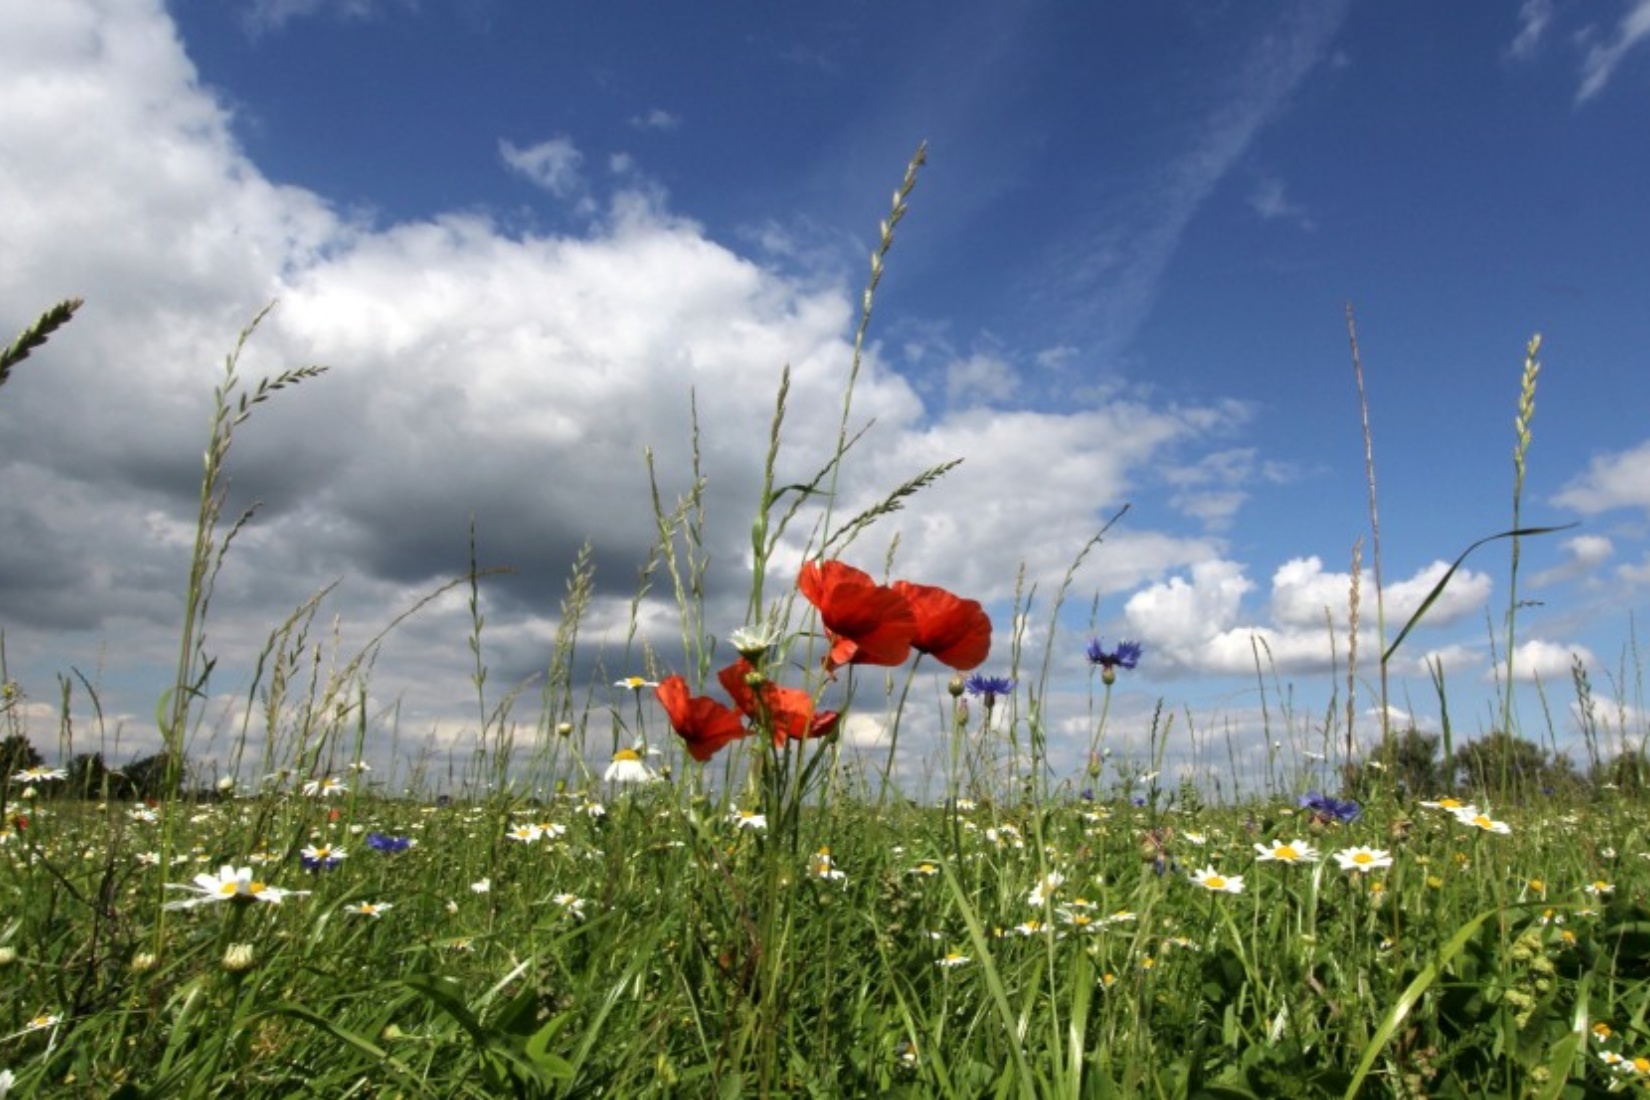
<point x="373" y="909"/>
<point x="1295" y="851"/>
<point x="635" y="683"/>
<point x="627" y="767"/>
<point x="748" y="819"/>
<point x="751" y="642"/>
<point x="952" y="960"/>
<point x="820" y="865"/>
<point x="325" y="788"/>
<point x="1473" y="816"/>
<point x="571" y="903"/>
<point x="1211" y="879"/>
<point x="1045" y="888"/>
<point x="1448" y="804"/>
<point x="525" y="833"/>
<point x="230" y="884"/>
<point x="1080" y="920"/>
<point x="1363" y="859"/>
<point x="40" y="775"/>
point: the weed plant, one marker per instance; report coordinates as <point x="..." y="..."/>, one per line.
<point x="724" y="903"/>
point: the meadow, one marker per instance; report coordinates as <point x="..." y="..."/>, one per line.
<point x="733" y="905"/>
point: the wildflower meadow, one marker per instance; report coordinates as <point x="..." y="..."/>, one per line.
<point x="676" y="879"/>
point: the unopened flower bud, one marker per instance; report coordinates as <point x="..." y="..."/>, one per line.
<point x="143" y="962"/>
<point x="564" y="729"/>
<point x="8" y="955"/>
<point x="239" y="958"/>
<point x="956" y="686"/>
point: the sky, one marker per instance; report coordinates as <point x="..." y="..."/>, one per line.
<point x="534" y="241"/>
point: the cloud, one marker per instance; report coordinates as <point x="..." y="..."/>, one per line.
<point x="1267" y="198"/>
<point x="511" y="381"/>
<point x="656" y="119"/>
<point x="1611" y="481"/>
<point x="1538" y="659"/>
<point x="267" y="15"/>
<point x="980" y="379"/>
<point x="552" y="165"/>
<point x="1215" y="487"/>
<point x="1584" y="555"/>
<point x="1200" y="627"/>
<point x="1118" y="261"/>
<point x="1603" y="59"/>
<point x="1533" y="18"/>
<point x="1302" y="593"/>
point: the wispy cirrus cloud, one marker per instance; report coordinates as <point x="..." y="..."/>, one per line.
<point x="1603" y="58"/>
<point x="268" y="15"/>
<point x="1118" y="262"/>
<point x="553" y="164"/>
<point x="1533" y="19"/>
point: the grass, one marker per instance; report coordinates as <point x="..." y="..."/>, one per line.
<point x="778" y="921"/>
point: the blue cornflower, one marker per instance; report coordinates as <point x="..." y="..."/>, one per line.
<point x="989" y="687"/>
<point x="1327" y="809"/>
<point x="379" y="842"/>
<point x="1126" y="655"/>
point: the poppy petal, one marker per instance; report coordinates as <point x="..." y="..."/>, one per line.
<point x="703" y="724"/>
<point x="954" y="631"/>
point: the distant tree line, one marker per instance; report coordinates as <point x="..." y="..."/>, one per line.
<point x="88" y="776"/>
<point x="1499" y="767"/>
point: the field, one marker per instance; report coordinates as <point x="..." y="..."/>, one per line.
<point x="755" y="911"/>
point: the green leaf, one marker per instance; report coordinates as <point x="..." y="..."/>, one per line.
<point x="1438" y="589"/>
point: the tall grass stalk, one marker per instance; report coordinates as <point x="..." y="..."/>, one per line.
<point x="1521" y="449"/>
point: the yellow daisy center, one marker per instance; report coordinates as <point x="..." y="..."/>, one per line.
<point x="1284" y="851"/>
<point x="626" y="755"/>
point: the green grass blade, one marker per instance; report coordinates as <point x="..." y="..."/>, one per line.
<point x="1411" y="997"/>
<point x="1443" y="582"/>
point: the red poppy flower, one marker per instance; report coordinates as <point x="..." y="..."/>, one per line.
<point x="954" y="631"/>
<point x="790" y="711"/>
<point x="700" y="721"/>
<point x="868" y="623"/>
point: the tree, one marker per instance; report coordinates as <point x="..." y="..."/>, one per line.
<point x="1512" y="769"/>
<point x="1408" y="759"/>
<point x="16" y="754"/>
<point x="1628" y="772"/>
<point x="147" y="777"/>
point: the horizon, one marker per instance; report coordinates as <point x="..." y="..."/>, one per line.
<point x="524" y="239"/>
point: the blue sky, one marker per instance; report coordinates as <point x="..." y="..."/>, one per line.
<point x="522" y="233"/>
